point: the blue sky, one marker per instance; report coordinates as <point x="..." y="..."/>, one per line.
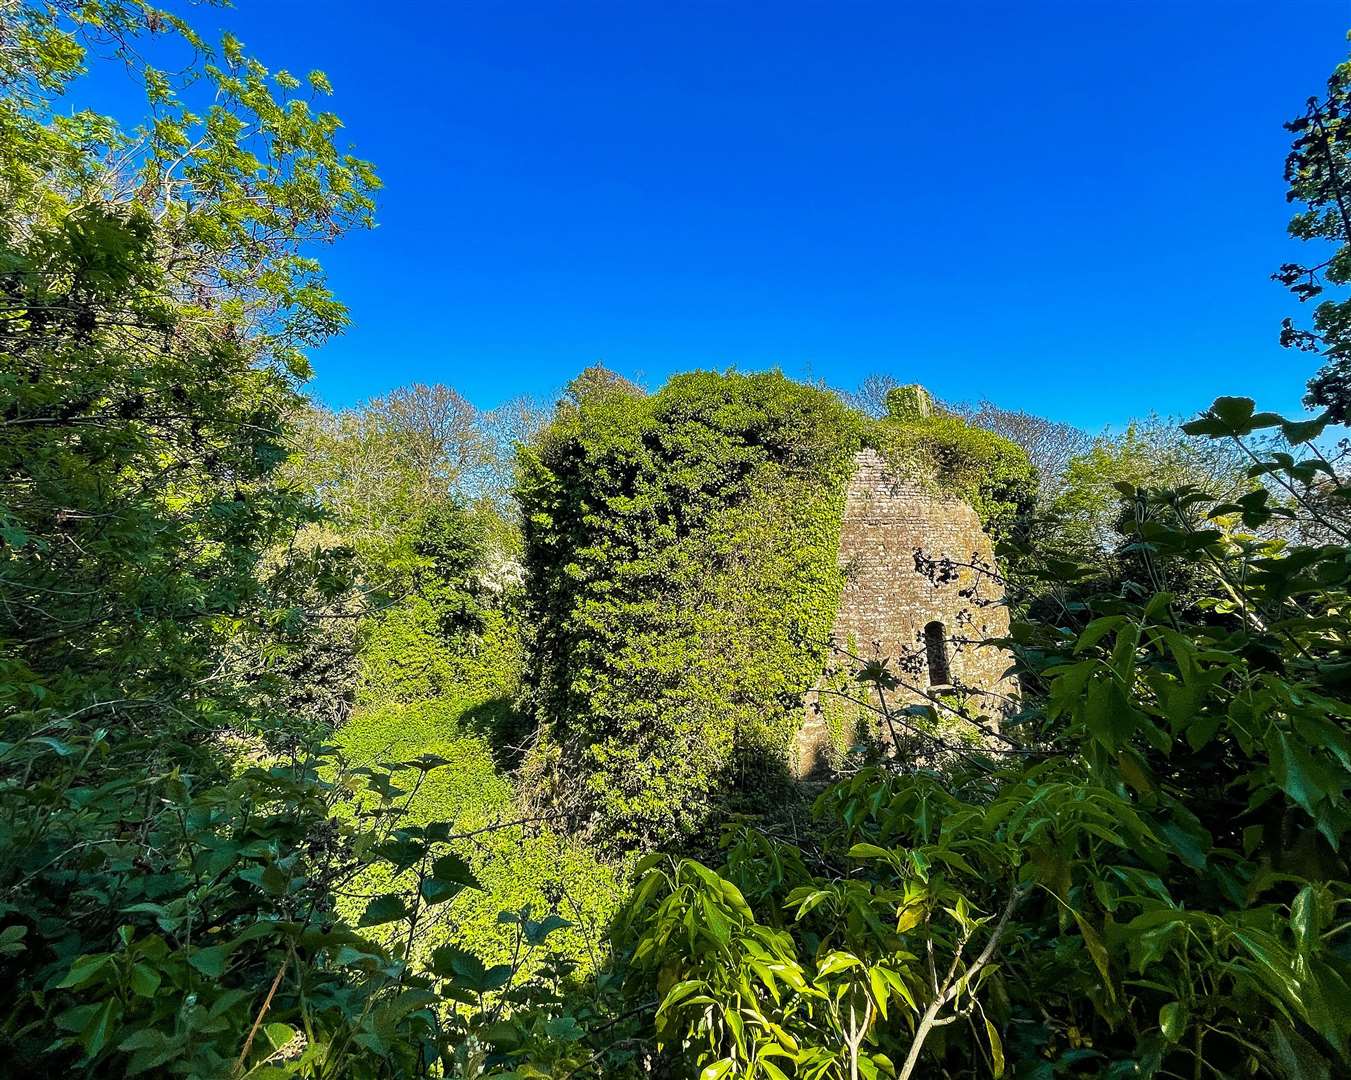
<point x="1070" y="208"/>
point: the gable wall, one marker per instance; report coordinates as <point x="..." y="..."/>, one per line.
<point x="887" y="601"/>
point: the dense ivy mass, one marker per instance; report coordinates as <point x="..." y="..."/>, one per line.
<point x="681" y="555"/>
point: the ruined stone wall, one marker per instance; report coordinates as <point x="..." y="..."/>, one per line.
<point x="888" y="602"/>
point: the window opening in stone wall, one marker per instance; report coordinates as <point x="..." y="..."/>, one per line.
<point x="936" y="646"/>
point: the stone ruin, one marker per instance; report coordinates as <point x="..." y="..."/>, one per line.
<point x="919" y="592"/>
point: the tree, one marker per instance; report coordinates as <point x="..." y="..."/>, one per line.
<point x="1149" y="453"/>
<point x="158" y="308"/>
<point x="870" y="396"/>
<point x="1318" y="172"/>
<point x="1050" y="444"/>
<point x="1146" y="876"/>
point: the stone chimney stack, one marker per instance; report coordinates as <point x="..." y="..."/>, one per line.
<point x="909" y="403"/>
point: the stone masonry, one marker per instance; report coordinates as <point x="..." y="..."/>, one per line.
<point x="926" y="620"/>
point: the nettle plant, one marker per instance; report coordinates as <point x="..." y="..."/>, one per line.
<point x="1154" y="882"/>
<point x="226" y="957"/>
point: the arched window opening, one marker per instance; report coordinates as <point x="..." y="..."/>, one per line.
<point x="936" y="647"/>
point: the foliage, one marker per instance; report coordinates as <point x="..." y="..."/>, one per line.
<point x="681" y="582"/>
<point x="157" y="306"/>
<point x="1150" y="453"/>
<point x="167" y="881"/>
<point x="1143" y="874"/>
<point x="517" y="859"/>
<point x="223" y="954"/>
<point x="870" y="396"/>
<point x="908" y="404"/>
<point x="1050" y="445"/>
<point x="1146" y="876"/>
<point x="1153" y="882"/>
<point x="379" y="466"/>
<point x="990" y="472"/>
<point x="1318" y="172"/>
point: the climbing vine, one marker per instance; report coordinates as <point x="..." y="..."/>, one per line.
<point x="682" y="578"/>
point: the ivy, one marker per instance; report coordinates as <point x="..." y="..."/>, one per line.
<point x="682" y="578"/>
<point x="942" y="450"/>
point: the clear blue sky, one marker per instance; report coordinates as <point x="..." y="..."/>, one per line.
<point x="1071" y="208"/>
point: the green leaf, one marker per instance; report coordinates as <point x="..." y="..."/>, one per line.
<point x="400" y="852"/>
<point x="384" y="909"/>
<point x="1300" y="431"/>
<point x="996" y="1049"/>
<point x="1096" y="631"/>
<point x="101" y="1026"/>
<point x="1098" y="951"/>
<point x="881" y="990"/>
<point x="211" y="960"/>
<point x="467" y="970"/>
<point x="144" y="980"/>
<point x="1173" y="1020"/>
<point x="83" y="970"/>
<point x="909" y="918"/>
<point x="278" y="1035"/>
<point x="1304" y="919"/>
<point x="434" y="891"/>
<point x="1234" y="411"/>
<point x="1298" y="1060"/>
<point x="451" y="868"/>
<point x="835" y="962"/>
<point x="1297" y="773"/>
<point x="11" y="940"/>
<point x="537" y="932"/>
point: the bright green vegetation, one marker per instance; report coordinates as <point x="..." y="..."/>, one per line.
<point x="324" y="755"/>
<point x="990" y="472"/>
<point x="682" y="578"/>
